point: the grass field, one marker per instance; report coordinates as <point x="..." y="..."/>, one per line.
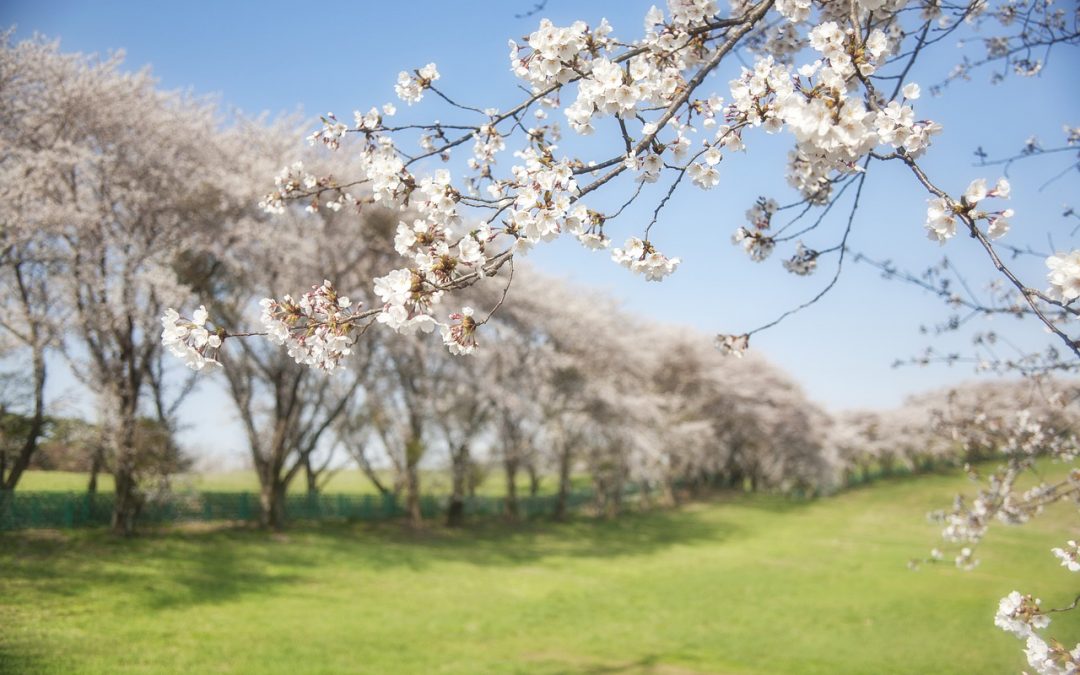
<point x="747" y="584"/>
<point x="351" y="482"/>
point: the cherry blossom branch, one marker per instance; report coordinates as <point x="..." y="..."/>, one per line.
<point x="1029" y="294"/>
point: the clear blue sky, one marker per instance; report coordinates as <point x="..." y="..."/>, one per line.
<point x="285" y="57"/>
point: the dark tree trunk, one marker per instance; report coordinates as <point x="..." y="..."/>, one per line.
<point x="127" y="500"/>
<point x="97" y="463"/>
<point x="272" y="502"/>
<point x="311" y="476"/>
<point x="510" y="466"/>
<point x="9" y="480"/>
<point x="459" y="470"/>
<point x="562" y="506"/>
<point x="534" y="480"/>
<point x="414" y="450"/>
<point x="412" y="495"/>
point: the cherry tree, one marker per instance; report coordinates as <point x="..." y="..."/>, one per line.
<point x="101" y="206"/>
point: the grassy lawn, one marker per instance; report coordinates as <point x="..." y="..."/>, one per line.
<point x="748" y="584"/>
<point x="351" y="482"/>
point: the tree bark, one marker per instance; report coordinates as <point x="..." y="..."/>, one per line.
<point x="311" y="476"/>
<point x="127" y="500"/>
<point x="459" y="469"/>
<point x="272" y="500"/>
<point x="510" y="466"/>
<point x="534" y="479"/>
<point x="562" y="505"/>
<point x="96" y="465"/>
<point x="37" y="424"/>
<point x="414" y="450"/>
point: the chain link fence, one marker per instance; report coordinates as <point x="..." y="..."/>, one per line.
<point x="57" y="510"/>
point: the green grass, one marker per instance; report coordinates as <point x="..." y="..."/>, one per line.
<point x="351" y="482"/>
<point x="746" y="584"/>
<point x="62" y="481"/>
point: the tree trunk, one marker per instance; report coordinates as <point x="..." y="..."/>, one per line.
<point x="616" y="503"/>
<point x="96" y="465"/>
<point x="511" y="504"/>
<point x="37" y="426"/>
<point x="311" y="476"/>
<point x="272" y="502"/>
<point x="459" y="469"/>
<point x="534" y="479"/>
<point x="127" y="500"/>
<point x="412" y="495"/>
<point x="670" y="493"/>
<point x="562" y="505"/>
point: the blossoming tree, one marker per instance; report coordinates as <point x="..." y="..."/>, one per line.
<point x="100" y="207"/>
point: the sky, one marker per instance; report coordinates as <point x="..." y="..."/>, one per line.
<point x="277" y="58"/>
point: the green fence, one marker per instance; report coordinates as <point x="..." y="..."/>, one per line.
<point x="22" y="510"/>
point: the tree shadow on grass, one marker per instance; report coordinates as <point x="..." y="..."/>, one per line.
<point x="494" y="543"/>
<point x="92" y="573"/>
<point x="18" y="661"/>
<point x="159" y="570"/>
<point x="760" y="501"/>
<point x="651" y="664"/>
<point x="176" y="567"/>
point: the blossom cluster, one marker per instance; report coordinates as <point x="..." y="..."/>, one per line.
<point x="190" y="340"/>
<point x="291" y="182"/>
<point x="410" y="88"/>
<point x="1069" y="556"/>
<point x="942" y="212"/>
<point x="1022" y="616"/>
<point x="460" y="336"/>
<point x="316" y="329"/>
<point x="544" y="190"/>
<point x="333" y="130"/>
<point x="804" y="262"/>
<point x="754" y="238"/>
<point x="1064" y="276"/>
<point x="553" y="53"/>
<point x="833" y="128"/>
<point x="406" y="301"/>
<point x="732" y="345"/>
<point x="641" y="257"/>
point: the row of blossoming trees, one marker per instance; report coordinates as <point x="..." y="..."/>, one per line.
<point x="107" y="221"/>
